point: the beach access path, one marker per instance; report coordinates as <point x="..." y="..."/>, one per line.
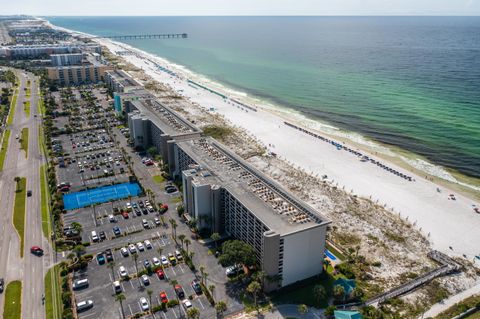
<point x="446" y="222"/>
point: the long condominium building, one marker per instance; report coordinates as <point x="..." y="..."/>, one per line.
<point x="225" y="194"/>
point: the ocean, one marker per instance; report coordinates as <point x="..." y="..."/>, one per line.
<point x="409" y="82"/>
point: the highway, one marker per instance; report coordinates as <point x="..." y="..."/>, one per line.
<point x="30" y="269"/>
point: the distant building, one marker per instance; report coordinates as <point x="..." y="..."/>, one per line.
<point x="66" y="59"/>
<point x="44" y="51"/>
<point x="121" y="82"/>
<point x="91" y="70"/>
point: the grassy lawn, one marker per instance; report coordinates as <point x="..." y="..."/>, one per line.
<point x="335" y="251"/>
<point x="13" y="300"/>
<point x="158" y="179"/>
<point x="44" y="202"/>
<point x="303" y="293"/>
<point x="11" y="114"/>
<point x="24" y="140"/>
<point x="27" y="92"/>
<point x="53" y="299"/>
<point x="26" y="108"/>
<point x="217" y="132"/>
<point x="461" y="307"/>
<point x="41" y="106"/>
<point x="3" y="150"/>
<point x="19" y="211"/>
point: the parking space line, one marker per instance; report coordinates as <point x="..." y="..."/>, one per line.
<point x="181" y="268"/>
<point x="131" y="283"/>
<point x="164" y="315"/>
<point x="173" y="310"/>
<point x="201" y="304"/>
<point x="131" y="313"/>
<point x="173" y="271"/>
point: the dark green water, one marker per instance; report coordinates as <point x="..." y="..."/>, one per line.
<point x="412" y="82"/>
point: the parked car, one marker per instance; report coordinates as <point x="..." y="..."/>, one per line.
<point x="144" y="304"/>
<point x="234" y="270"/>
<point x="155" y="261"/>
<point x="132" y="249"/>
<point x="145" y="280"/>
<point x="95" y="236"/>
<point x="160" y="274"/>
<point x="140" y="246"/>
<point x="109" y="254"/>
<point x="163" y="297"/>
<point x="187" y="304"/>
<point x="148" y="244"/>
<point x="178" y="255"/>
<point x="2" y="284"/>
<point x="172" y="258"/>
<point x="102" y="235"/>
<point x="116" y="231"/>
<point x="146" y="263"/>
<point x="145" y="223"/>
<point x="164" y="260"/>
<point x="111" y="218"/>
<point x="100" y="259"/>
<point x="157" y="221"/>
<point x="80" y="284"/>
<point x="84" y="305"/>
<point x="196" y="286"/>
<point x="124" y="251"/>
<point x="179" y="291"/>
<point x="123" y="272"/>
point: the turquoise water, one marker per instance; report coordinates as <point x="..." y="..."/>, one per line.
<point x="412" y="82"/>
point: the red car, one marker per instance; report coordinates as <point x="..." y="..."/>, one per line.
<point x="160" y="274"/>
<point x="125" y="215"/>
<point x="36" y="250"/>
<point x="163" y="297"/>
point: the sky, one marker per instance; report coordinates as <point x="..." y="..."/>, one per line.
<point x="240" y="7"/>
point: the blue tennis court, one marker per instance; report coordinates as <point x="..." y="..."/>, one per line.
<point x="100" y="195"/>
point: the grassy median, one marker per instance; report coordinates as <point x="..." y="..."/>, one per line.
<point x="53" y="298"/>
<point x="3" y="150"/>
<point x="24" y="140"/>
<point x="11" y="113"/>
<point x="44" y="202"/>
<point x="13" y="300"/>
<point x="19" y="210"/>
<point x="158" y="179"/>
<point x="26" y="108"/>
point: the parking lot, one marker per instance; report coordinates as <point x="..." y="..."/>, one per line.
<point x="102" y="292"/>
<point x="91" y="152"/>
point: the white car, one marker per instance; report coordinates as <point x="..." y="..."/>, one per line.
<point x="145" y="280"/>
<point x="124" y="251"/>
<point x="187" y="303"/>
<point x="155" y="261"/>
<point x="144" y="304"/>
<point x="129" y="206"/>
<point x="111" y="218"/>
<point x="148" y="244"/>
<point x="164" y="260"/>
<point x="140" y="246"/>
<point x="178" y="255"/>
<point x="132" y="249"/>
<point x="123" y="272"/>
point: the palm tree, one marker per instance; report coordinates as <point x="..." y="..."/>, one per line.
<point x="182" y="239"/>
<point x="215" y="237"/>
<point x="135" y="259"/>
<point x="254" y="288"/>
<point x="79" y="250"/>
<point x="173" y="282"/>
<point x="212" y="290"/>
<point x="187" y="243"/>
<point x="173" y="223"/>
<point x="319" y="293"/>
<point x="338" y="292"/>
<point x="149" y="293"/>
<point x="77" y="226"/>
<point x="220" y="307"/>
<point x="193" y="313"/>
<point x="111" y="265"/>
<point x="17" y="180"/>
<point x="202" y="270"/>
<point x="302" y="309"/>
<point x="120" y="298"/>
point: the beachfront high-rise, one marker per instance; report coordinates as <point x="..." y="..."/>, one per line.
<point x="225" y="194"/>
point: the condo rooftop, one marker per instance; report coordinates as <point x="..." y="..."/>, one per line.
<point x="273" y="205"/>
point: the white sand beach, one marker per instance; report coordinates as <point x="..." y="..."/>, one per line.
<point x="452" y="226"/>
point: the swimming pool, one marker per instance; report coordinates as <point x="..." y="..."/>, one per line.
<point x="100" y="195"/>
<point x="330" y="255"/>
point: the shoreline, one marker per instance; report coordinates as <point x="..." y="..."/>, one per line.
<point x="444" y="221"/>
<point x="447" y="177"/>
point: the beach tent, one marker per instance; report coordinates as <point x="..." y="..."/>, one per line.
<point x="347" y="314"/>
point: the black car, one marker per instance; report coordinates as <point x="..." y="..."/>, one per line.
<point x="2" y="283"/>
<point x="145" y="211"/>
<point x="196" y="287"/>
<point x="102" y="235"/>
<point x="138" y="212"/>
<point x="29" y="193"/>
<point x="140" y="203"/>
<point x="109" y="255"/>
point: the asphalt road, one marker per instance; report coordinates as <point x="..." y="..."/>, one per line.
<point x="30" y="269"/>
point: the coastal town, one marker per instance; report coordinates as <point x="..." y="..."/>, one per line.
<point x="132" y="187"/>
